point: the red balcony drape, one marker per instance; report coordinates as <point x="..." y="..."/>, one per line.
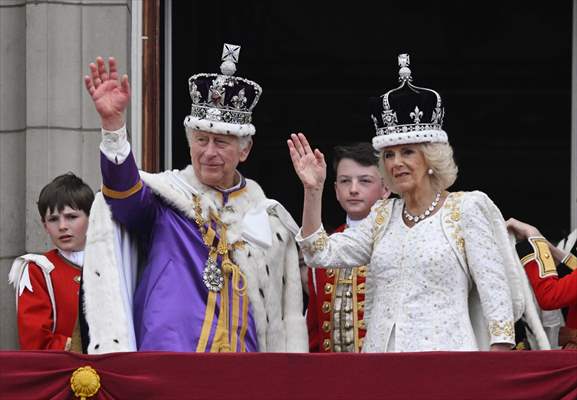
<point x="523" y="375"/>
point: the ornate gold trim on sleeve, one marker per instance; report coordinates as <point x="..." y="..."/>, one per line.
<point x="317" y="245"/>
<point x="504" y="329"/>
<point x="320" y="243"/>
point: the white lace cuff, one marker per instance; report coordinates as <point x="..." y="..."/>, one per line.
<point x="115" y="145"/>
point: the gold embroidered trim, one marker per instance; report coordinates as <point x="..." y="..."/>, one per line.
<point x="504" y="329"/>
<point x="452" y="218"/>
<point x="113" y="194"/>
<point x="571" y="262"/>
<point x="381" y="218"/>
<point x="319" y="244"/>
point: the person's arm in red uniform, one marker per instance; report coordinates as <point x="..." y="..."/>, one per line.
<point x="551" y="291"/>
<point x="35" y="316"/>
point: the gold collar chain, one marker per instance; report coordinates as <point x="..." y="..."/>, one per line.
<point x="212" y="275"/>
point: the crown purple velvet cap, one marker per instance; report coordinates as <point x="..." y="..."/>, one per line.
<point x="223" y="103"/>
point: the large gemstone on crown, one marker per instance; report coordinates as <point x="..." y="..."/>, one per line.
<point x="214" y="114"/>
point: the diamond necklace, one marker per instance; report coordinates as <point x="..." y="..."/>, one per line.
<point x="428" y="211"/>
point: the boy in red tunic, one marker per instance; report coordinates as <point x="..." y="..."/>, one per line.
<point x="543" y="262"/>
<point x="47" y="285"/>
<point x="335" y="313"/>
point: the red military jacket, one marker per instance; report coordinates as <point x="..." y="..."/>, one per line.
<point x="322" y="285"/>
<point x="550" y="291"/>
<point x="35" y="310"/>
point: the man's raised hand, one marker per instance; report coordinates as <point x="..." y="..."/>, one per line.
<point x="109" y="95"/>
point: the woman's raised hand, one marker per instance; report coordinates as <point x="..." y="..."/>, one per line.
<point x="309" y="165"/>
<point x="110" y="96"/>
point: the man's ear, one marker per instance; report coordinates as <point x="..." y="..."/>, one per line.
<point x="245" y="151"/>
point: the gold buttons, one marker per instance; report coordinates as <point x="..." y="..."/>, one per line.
<point x="362" y="324"/>
<point x="326" y="326"/>
<point x="361" y="306"/>
<point x="362" y="272"/>
<point x="77" y="279"/>
<point x="361" y="288"/>
<point x="330" y="272"/>
<point x="328" y="288"/>
<point x="326" y="344"/>
<point x="326" y="307"/>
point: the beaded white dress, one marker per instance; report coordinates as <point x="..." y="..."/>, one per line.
<point x="417" y="291"/>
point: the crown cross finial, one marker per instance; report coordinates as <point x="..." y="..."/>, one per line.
<point x="230" y="52"/>
<point x="404" y="60"/>
<point x="230" y="55"/>
<point x="404" y="71"/>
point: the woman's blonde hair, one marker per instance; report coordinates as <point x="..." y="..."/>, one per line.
<point x="438" y="157"/>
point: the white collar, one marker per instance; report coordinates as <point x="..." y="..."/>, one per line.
<point x="351" y="223"/>
<point x="75" y="257"/>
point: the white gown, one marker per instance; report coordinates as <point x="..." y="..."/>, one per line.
<point x="417" y="291"/>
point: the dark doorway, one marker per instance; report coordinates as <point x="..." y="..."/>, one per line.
<point x="502" y="68"/>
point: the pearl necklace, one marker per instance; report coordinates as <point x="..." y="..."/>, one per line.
<point x="428" y="211"/>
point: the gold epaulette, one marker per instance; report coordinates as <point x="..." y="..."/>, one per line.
<point x="542" y="255"/>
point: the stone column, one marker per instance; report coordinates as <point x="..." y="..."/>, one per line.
<point x="48" y="125"/>
<point x="12" y="155"/>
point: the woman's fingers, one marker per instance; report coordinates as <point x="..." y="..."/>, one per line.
<point x="298" y="145"/>
<point x="320" y="157"/>
<point x="305" y="143"/>
<point x="293" y="152"/>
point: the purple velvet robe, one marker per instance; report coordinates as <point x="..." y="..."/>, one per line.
<point x="170" y="299"/>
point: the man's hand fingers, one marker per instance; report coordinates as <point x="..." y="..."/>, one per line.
<point x="96" y="81"/>
<point x="102" y="69"/>
<point x="89" y="85"/>
<point x="125" y="84"/>
<point x="112" y="70"/>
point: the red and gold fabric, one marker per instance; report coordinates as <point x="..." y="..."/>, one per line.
<point x="38" y="329"/>
<point x="551" y="291"/>
<point x="336" y="308"/>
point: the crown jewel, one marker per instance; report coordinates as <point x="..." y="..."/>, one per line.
<point x="408" y="113"/>
<point x="223" y="103"/>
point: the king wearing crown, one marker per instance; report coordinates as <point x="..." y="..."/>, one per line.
<point x="219" y="271"/>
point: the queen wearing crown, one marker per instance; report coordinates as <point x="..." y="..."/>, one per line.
<point x="442" y="274"/>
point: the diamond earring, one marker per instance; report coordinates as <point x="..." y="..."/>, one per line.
<point x="430" y="171"/>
